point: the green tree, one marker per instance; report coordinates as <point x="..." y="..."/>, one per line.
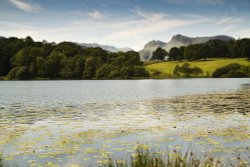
<point x="132" y="58"/>
<point x="39" y="61"/>
<point x="187" y="71"/>
<point x="27" y="59"/>
<point x="90" y="67"/>
<point x="67" y="48"/>
<point x="53" y="65"/>
<point x="22" y="73"/>
<point x="8" y="48"/>
<point x="104" y="71"/>
<point x="176" y="53"/>
<point x="22" y="58"/>
<point x="159" y="54"/>
<point x="115" y="74"/>
<point x="245" y="48"/>
<point x="140" y="72"/>
<point x="232" y="70"/>
<point x="29" y="41"/>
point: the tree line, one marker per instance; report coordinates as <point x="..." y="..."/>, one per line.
<point x="27" y="59"/>
<point x="211" y="49"/>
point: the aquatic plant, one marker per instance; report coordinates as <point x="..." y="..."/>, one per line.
<point x="2" y="163"/>
<point x="143" y="157"/>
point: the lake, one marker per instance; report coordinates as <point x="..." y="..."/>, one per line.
<point x="85" y="122"/>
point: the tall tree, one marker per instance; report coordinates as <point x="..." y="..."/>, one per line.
<point x="176" y="53"/>
<point x="159" y="54"/>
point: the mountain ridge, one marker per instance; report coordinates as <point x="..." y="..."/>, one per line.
<point x="177" y="41"/>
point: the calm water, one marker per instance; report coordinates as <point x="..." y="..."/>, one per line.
<point x="81" y="92"/>
<point x="81" y="122"/>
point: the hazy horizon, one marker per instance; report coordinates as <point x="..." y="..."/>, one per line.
<point x="122" y="23"/>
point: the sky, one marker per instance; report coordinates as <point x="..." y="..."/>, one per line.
<point x="123" y="23"/>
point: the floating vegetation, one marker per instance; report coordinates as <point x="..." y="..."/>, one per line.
<point x="144" y="156"/>
<point x="216" y="102"/>
<point x="90" y="134"/>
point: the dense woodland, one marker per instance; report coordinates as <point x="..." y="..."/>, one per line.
<point x="25" y="59"/>
<point x="210" y="49"/>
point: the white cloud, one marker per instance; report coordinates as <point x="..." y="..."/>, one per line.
<point x="25" y="6"/>
<point x="245" y="33"/>
<point x="130" y="31"/>
<point x="148" y="15"/>
<point x="230" y="22"/>
<point x="96" y="15"/>
<point x="17" y="30"/>
<point x="148" y="25"/>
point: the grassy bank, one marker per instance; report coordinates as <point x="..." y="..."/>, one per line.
<point x="165" y="69"/>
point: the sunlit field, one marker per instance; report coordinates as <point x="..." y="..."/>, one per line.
<point x="208" y="67"/>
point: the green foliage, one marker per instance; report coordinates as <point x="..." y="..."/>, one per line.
<point x="208" y="67"/>
<point x="176" y="53"/>
<point x="104" y="71"/>
<point x="22" y="73"/>
<point x="29" y="41"/>
<point x="159" y="54"/>
<point x="22" y="58"/>
<point x="187" y="71"/>
<point x="143" y="157"/>
<point x="90" y="68"/>
<point x="73" y="68"/>
<point x="245" y="48"/>
<point x="211" y="49"/>
<point x="139" y="71"/>
<point x="233" y="70"/>
<point x="8" y="48"/>
<point x="26" y="59"/>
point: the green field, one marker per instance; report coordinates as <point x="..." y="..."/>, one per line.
<point x="208" y="66"/>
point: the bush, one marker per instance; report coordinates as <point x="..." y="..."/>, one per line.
<point x="233" y="70"/>
<point x="187" y="71"/>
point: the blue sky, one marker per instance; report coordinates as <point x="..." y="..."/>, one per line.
<point x="123" y="23"/>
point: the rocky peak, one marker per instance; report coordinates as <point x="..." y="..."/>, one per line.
<point x="154" y="43"/>
<point x="177" y="41"/>
<point x="180" y="38"/>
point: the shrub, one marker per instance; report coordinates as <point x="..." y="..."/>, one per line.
<point x="187" y="71"/>
<point x="233" y="70"/>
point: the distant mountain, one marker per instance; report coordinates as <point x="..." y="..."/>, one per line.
<point x="177" y="41"/>
<point x="146" y="52"/>
<point x="105" y="47"/>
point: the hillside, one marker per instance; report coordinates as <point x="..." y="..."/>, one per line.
<point x="177" y="41"/>
<point x="208" y="67"/>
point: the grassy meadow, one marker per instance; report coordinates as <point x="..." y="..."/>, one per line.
<point x="209" y="66"/>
